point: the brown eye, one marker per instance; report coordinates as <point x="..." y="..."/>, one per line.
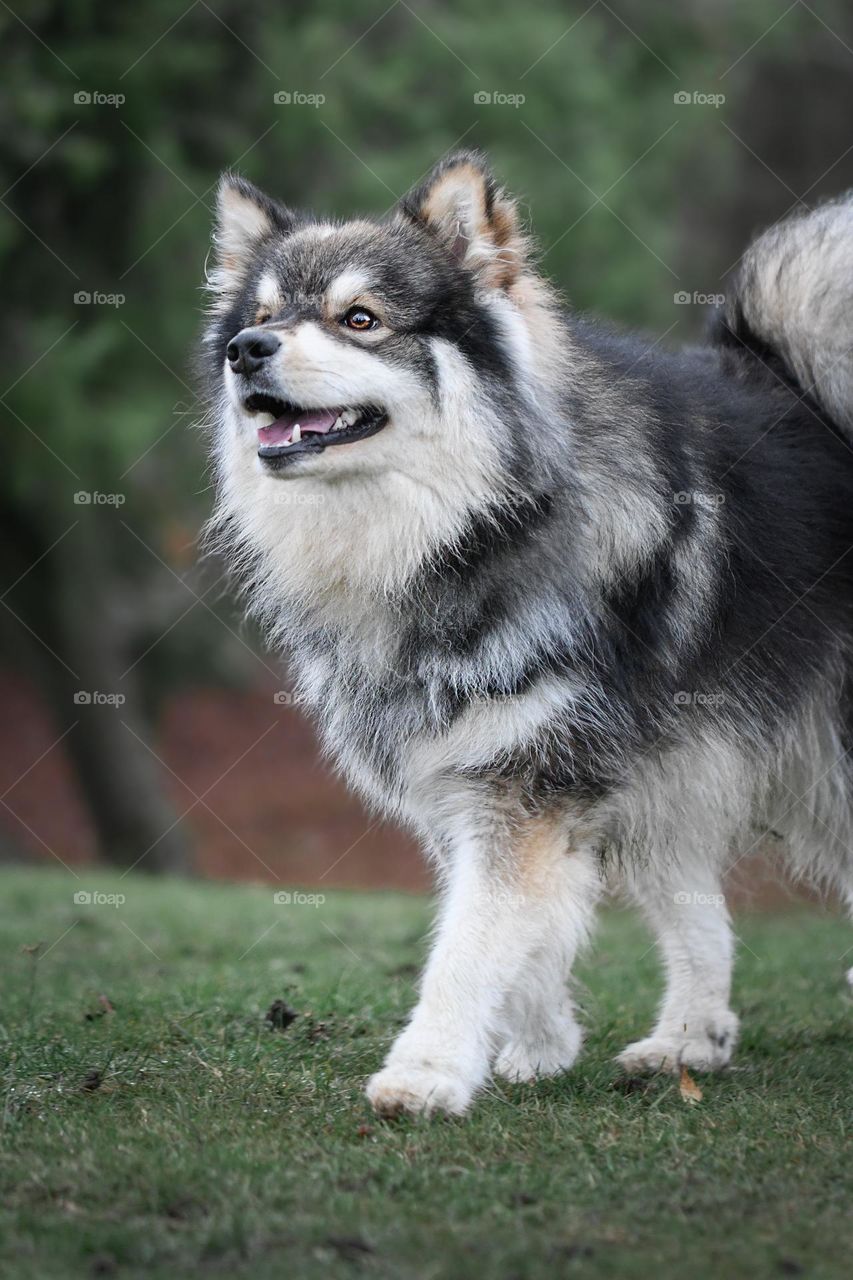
<point x="360" y="319"/>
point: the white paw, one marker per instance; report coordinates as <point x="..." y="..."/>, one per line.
<point x="707" y="1047"/>
<point x="417" y="1089"/>
<point x="545" y="1056"/>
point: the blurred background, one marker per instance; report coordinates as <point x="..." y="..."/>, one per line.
<point x="143" y="722"/>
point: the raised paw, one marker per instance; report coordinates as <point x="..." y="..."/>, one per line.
<point x="417" y="1090"/>
<point x="707" y="1047"/>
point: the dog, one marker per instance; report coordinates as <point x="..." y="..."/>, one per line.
<point x="575" y="609"/>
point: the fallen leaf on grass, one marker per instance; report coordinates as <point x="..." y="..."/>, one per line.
<point x="105" y="1006"/>
<point x="688" y="1088"/>
<point x="280" y="1015"/>
<point x="92" y="1080"/>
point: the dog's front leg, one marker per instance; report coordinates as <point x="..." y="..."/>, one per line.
<point x="443" y="1056"/>
<point x="497" y="910"/>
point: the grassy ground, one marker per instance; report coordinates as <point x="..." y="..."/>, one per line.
<point x="156" y="1124"/>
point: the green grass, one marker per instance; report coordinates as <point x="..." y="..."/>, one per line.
<point x="216" y="1145"/>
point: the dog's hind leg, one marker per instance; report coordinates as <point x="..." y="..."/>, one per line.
<point x="538" y="1033"/>
<point x="695" y="1026"/>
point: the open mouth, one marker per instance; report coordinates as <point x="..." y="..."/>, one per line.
<point x="298" y="431"/>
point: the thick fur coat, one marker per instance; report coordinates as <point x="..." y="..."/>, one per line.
<point x="575" y="609"/>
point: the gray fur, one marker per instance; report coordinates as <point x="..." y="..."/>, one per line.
<point x="582" y="611"/>
<point x="795" y="288"/>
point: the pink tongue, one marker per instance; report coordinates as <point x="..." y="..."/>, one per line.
<point x="281" y="431"/>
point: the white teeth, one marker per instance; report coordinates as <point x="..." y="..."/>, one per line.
<point x="296" y="434"/>
<point x="338" y="423"/>
<point x="349" y="416"/>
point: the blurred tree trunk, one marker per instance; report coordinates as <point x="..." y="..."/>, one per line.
<point x="121" y="781"/>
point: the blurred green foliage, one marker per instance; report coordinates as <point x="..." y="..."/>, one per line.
<point x="117" y="199"/>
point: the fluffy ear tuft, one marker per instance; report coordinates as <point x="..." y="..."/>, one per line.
<point x="475" y="219"/>
<point x="244" y="217"/>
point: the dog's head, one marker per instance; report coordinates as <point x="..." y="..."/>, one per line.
<point x="385" y="358"/>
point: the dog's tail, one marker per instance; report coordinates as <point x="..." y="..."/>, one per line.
<point x="792" y="305"/>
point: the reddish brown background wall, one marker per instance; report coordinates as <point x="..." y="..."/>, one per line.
<point x="274" y="811"/>
<point x="277" y="814"/>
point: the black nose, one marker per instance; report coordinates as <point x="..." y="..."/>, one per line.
<point x="247" y="352"/>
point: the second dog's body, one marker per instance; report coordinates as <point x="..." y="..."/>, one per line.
<point x="577" y="612"/>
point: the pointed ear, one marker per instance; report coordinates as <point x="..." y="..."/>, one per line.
<point x="244" y="217"/>
<point x="474" y="218"/>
